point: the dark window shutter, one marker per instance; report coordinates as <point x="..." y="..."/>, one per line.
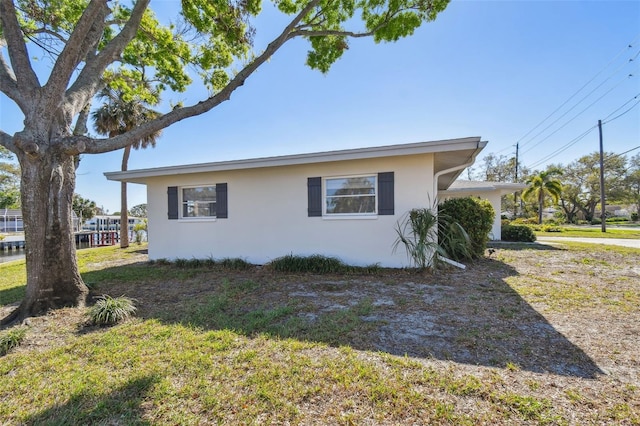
<point x="385" y="194"/>
<point x="172" y="197"/>
<point x="221" y="201"/>
<point x="314" y="194"/>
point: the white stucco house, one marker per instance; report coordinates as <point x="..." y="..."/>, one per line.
<point x="339" y="203"/>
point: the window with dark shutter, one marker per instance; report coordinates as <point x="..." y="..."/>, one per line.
<point x="172" y="198"/>
<point x="221" y="201"/>
<point x="314" y="195"/>
<point x="385" y="194"/>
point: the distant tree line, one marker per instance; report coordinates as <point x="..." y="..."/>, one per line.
<point x="579" y="180"/>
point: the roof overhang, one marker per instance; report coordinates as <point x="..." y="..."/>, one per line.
<point x="462" y="188"/>
<point x="448" y="153"/>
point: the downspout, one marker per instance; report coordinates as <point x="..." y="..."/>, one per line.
<point x="449" y="170"/>
<point x="436" y="176"/>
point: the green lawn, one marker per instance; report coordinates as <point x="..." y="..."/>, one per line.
<point x="585" y="232"/>
<point x="210" y="360"/>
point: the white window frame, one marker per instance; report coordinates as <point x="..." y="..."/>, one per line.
<point x="357" y="215"/>
<point x="181" y="204"/>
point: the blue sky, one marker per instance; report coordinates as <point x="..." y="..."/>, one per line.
<point x="494" y="69"/>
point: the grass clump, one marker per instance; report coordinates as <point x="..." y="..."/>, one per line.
<point x="236" y="264"/>
<point x="110" y="311"/>
<point x="11" y="338"/>
<point x="315" y="264"/>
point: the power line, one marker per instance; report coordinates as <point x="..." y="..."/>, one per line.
<point x="574" y="106"/>
<point x="623" y="153"/>
<point x="573" y="118"/>
<point x="622" y="106"/>
<point x="563" y="148"/>
<point x="574" y="141"/>
<point x="620" y="115"/>
<point x="630" y="45"/>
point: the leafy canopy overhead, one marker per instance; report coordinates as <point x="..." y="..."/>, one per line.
<point x="93" y="43"/>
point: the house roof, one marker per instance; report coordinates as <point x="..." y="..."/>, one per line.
<point x="461" y="187"/>
<point x="449" y="154"/>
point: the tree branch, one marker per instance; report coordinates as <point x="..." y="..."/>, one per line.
<point x="8" y="84"/>
<point x="86" y="34"/>
<point x="313" y="33"/>
<point x="99" y="146"/>
<point x="6" y="140"/>
<point x="48" y="32"/>
<point x="88" y="82"/>
<point x="27" y="81"/>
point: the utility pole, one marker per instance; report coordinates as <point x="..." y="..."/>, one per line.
<point x="515" y="194"/>
<point x="602" y="200"/>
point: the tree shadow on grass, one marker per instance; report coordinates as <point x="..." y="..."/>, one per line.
<point x="121" y="406"/>
<point x="472" y="316"/>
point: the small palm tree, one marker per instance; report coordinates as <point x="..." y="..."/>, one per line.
<point x="116" y="116"/>
<point x="541" y="186"/>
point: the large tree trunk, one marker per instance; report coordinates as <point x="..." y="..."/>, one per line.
<point x="53" y="280"/>
<point x="124" y="214"/>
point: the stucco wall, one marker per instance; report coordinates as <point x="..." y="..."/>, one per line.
<point x="268" y="214"/>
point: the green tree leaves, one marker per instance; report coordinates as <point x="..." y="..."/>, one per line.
<point x="9" y="181"/>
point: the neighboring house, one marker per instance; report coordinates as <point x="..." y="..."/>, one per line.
<point x="11" y="220"/>
<point x="340" y="203"/>
<point x="493" y="191"/>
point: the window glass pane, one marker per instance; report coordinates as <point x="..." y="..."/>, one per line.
<point x="201" y="193"/>
<point x="359" y="204"/>
<point x="351" y="186"/>
<point x="350" y="195"/>
<point x="199" y="202"/>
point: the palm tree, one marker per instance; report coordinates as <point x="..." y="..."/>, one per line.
<point x="541" y="186"/>
<point x="117" y="115"/>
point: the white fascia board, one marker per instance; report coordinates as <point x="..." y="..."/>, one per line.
<point x="141" y="175"/>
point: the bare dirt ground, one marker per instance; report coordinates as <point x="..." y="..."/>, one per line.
<point x="561" y="324"/>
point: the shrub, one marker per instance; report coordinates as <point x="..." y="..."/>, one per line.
<point x="634" y="217"/>
<point x="11" y="338"/>
<point x="475" y="216"/>
<point x="518" y="233"/>
<point x="617" y="219"/>
<point x="109" y="310"/>
<point x="417" y="232"/>
<point x="525" y="221"/>
<point x="140" y="229"/>
<point x="550" y="228"/>
<point x="315" y="264"/>
<point x="596" y="221"/>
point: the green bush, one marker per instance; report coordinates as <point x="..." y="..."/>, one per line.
<point x="109" y="310"/>
<point x="525" y="221"/>
<point x="596" y="221"/>
<point x="634" y="217"/>
<point x="195" y="263"/>
<point x="520" y="233"/>
<point x="316" y="264"/>
<point x="617" y="219"/>
<point x="550" y="228"/>
<point x="475" y="216"/>
<point x="11" y="338"/>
